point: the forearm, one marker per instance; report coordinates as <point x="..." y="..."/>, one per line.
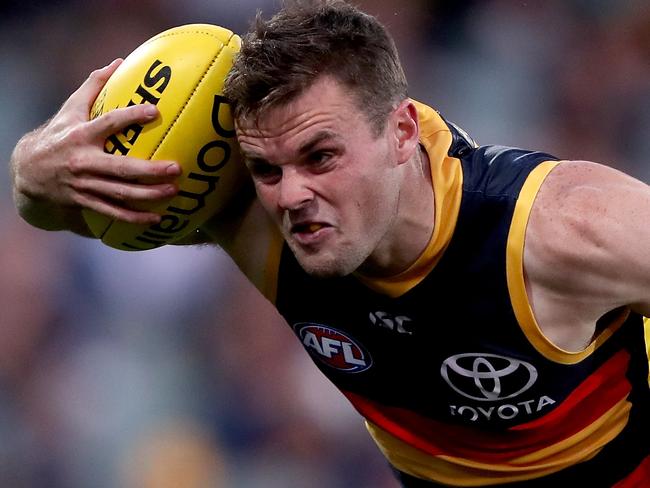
<point x="48" y="216"/>
<point x="42" y="213"/>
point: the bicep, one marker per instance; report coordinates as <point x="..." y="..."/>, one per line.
<point x="590" y="237"/>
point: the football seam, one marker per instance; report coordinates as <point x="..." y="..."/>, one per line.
<point x="189" y="98"/>
<point x="181" y="32"/>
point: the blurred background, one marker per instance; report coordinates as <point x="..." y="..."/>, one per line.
<point x="165" y="368"/>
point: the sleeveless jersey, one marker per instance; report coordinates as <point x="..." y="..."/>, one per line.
<point x="446" y="362"/>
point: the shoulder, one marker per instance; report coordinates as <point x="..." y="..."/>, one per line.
<point x="588" y="235"/>
<point x="500" y="169"/>
<point x="590" y="202"/>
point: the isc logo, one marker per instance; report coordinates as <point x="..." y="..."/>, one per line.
<point x="332" y="347"/>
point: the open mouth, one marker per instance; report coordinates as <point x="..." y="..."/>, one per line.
<point x="307" y="228"/>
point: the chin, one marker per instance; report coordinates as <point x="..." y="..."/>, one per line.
<point x="323" y="271"/>
<point x="325" y="268"/>
<point x="328" y="263"/>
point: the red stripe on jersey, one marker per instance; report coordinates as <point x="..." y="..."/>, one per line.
<point x="603" y="388"/>
<point x="598" y="393"/>
<point x="639" y="477"/>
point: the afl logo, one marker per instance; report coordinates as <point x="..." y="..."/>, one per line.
<point x="488" y="377"/>
<point x="332" y="347"/>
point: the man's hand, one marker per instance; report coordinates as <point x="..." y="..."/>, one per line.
<point x="61" y="167"/>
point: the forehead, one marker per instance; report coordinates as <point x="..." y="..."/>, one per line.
<point x="326" y="107"/>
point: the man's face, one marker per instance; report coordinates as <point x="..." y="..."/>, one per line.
<point x="327" y="180"/>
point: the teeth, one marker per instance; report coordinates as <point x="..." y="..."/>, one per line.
<point x="314" y="227"/>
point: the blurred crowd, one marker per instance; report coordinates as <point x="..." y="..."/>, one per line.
<point x="166" y="368"/>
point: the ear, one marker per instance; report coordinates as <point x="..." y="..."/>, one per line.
<point x="406" y="130"/>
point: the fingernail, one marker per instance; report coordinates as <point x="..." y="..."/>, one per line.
<point x="150" y="110"/>
<point x="173" y="170"/>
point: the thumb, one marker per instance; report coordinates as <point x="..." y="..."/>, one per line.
<point x="84" y="97"/>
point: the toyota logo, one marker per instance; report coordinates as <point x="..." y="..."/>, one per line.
<point x="487" y="377"/>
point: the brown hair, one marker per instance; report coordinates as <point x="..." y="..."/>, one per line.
<point x="306" y="39"/>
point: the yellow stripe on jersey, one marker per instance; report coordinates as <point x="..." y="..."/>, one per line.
<point x="646" y="334"/>
<point x="447" y="180"/>
<point x="517" y="286"/>
<point x="456" y="471"/>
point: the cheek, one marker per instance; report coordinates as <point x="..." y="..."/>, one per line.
<point x="380" y="203"/>
<point x="267" y="197"/>
<point x="371" y="204"/>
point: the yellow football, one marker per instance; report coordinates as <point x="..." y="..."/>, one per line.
<point x="181" y="71"/>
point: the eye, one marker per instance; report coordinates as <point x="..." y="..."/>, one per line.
<point x="264" y="171"/>
<point x="320" y="160"/>
<point x="319" y="156"/>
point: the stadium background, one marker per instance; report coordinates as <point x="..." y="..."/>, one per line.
<point x="165" y="369"/>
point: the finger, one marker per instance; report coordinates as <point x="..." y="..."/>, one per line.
<point x="115" y="120"/>
<point x="100" y="164"/>
<point x="114" y="211"/>
<point x="121" y="192"/>
<point x="132" y="169"/>
<point x="86" y="94"/>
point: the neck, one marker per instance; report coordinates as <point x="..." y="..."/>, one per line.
<point x="414" y="222"/>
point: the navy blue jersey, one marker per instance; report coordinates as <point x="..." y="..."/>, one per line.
<point x="457" y="383"/>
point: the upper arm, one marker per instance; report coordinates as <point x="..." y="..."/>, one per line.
<point x="246" y="233"/>
<point x="588" y="239"/>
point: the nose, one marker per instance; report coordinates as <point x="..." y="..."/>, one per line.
<point x="294" y="190"/>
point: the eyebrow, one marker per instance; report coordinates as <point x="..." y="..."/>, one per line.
<point x="319" y="137"/>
